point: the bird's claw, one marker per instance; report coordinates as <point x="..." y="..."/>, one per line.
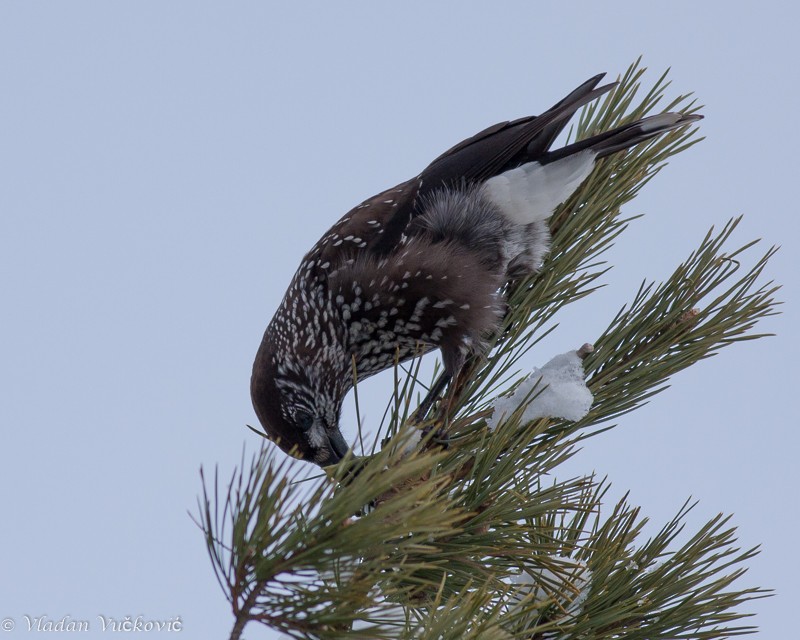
<point x="440" y="437"/>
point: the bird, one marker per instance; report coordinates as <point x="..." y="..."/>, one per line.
<point x="422" y="266"/>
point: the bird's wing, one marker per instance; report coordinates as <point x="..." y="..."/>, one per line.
<point x="378" y="224"/>
<point x="360" y="230"/>
<point x="508" y="144"/>
<point x="494" y="150"/>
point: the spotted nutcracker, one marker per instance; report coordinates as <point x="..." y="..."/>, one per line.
<point x="420" y="267"/>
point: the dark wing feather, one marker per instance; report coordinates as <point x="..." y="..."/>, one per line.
<point x="496" y="149"/>
<point x="507" y="145"/>
<point x="362" y="229"/>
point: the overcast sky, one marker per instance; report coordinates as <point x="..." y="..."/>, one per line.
<point x="165" y="165"/>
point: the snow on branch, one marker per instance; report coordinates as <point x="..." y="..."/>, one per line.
<point x="557" y="390"/>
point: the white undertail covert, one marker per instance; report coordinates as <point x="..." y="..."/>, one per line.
<point x="531" y="192"/>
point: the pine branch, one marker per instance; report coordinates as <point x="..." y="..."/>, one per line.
<point x="478" y="540"/>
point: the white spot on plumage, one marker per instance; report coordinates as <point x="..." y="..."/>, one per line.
<point x="660" y="121"/>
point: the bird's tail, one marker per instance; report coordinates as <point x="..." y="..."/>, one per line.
<point x="624" y="137"/>
<point x="530" y="192"/>
<point x="527" y="195"/>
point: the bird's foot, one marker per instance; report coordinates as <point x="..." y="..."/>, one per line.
<point x="440" y="437"/>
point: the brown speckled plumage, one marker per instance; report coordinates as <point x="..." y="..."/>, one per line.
<point x="420" y="267"/>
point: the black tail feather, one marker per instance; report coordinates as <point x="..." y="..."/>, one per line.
<point x="508" y="144"/>
<point x="579" y="97"/>
<point x="624" y="137"/>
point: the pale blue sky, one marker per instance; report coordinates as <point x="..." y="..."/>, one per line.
<point x="164" y="166"/>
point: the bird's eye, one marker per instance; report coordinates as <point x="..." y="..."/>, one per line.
<point x="303" y="420"/>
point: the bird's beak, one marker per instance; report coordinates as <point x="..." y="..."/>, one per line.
<point x="336" y="450"/>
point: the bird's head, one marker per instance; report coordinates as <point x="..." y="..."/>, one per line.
<point x="298" y="410"/>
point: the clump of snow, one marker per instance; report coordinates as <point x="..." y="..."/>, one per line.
<point x="380" y="616"/>
<point x="569" y="587"/>
<point x="557" y="390"/>
<point x="408" y="439"/>
<point x="653" y="566"/>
